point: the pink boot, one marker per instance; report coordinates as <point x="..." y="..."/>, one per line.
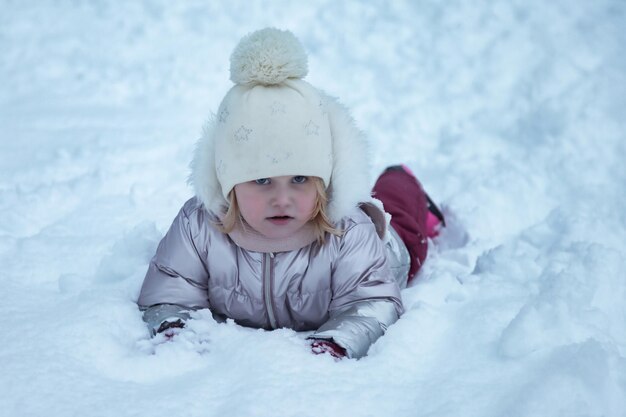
<point x="434" y="217"/>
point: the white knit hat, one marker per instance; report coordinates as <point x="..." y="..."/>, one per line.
<point x="273" y="123"/>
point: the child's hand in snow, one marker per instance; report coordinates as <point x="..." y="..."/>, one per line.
<point x="320" y="346"/>
<point x="169" y="329"/>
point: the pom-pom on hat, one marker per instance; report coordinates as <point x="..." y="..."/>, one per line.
<point x="272" y="123"/>
<point x="268" y="56"/>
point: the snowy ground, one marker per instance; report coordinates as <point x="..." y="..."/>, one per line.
<point x="511" y="113"/>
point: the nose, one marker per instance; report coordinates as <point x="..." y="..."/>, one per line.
<point x="281" y="197"/>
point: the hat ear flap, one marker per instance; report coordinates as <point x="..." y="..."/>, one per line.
<point x="203" y="176"/>
<point x="349" y="184"/>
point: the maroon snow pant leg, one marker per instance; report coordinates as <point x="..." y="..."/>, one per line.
<point x="403" y="197"/>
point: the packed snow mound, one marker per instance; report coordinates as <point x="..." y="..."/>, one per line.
<point x="511" y="115"/>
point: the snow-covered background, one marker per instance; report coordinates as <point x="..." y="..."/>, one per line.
<point x="511" y="113"/>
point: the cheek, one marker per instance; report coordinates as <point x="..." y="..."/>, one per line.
<point x="308" y="201"/>
<point x="249" y="206"/>
<point x="247" y="202"/>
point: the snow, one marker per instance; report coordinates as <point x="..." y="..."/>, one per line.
<point x="510" y="113"/>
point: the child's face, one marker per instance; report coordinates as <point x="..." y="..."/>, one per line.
<point x="277" y="207"/>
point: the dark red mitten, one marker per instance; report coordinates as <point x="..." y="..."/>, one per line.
<point x="170" y="328"/>
<point x="320" y="346"/>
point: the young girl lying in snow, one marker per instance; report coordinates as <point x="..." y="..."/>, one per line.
<point x="283" y="231"/>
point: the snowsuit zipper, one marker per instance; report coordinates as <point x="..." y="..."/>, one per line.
<point x="268" y="280"/>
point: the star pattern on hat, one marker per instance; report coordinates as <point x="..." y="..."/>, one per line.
<point x="275" y="159"/>
<point x="312" y="129"/>
<point x="278" y="107"/>
<point x="223" y="115"/>
<point x="242" y="134"/>
<point x="322" y="107"/>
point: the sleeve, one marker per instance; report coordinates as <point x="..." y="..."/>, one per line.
<point x="366" y="297"/>
<point x="177" y="277"/>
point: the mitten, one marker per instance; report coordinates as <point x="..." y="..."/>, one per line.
<point x="320" y="346"/>
<point x="161" y="317"/>
<point x="170" y="328"/>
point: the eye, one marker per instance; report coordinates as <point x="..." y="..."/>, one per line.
<point x="299" y="179"/>
<point x="262" y="181"/>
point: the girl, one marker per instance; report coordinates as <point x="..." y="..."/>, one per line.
<point x="283" y="231"/>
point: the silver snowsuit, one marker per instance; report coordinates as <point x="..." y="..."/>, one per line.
<point x="344" y="290"/>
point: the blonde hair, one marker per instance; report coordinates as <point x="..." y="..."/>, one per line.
<point x="319" y="218"/>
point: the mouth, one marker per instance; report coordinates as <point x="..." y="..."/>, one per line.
<point x="278" y="220"/>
